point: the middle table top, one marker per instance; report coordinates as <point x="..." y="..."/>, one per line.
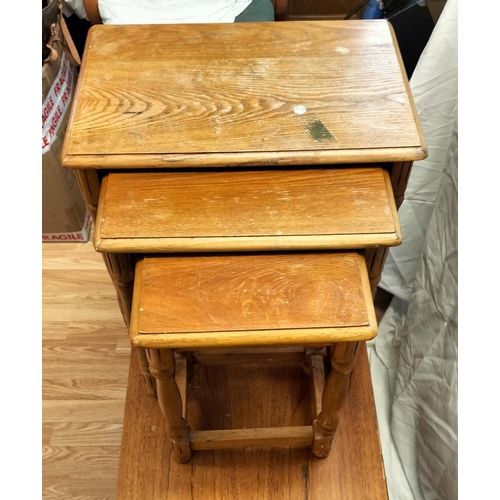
<point x="261" y="210"/>
<point x="312" y="92"/>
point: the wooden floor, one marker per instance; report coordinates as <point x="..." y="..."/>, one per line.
<point x="85" y="368"/>
<point x="86" y="357"/>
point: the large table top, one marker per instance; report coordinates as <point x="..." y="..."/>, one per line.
<point x="308" y="92"/>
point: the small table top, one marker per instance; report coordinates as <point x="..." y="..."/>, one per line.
<point x="246" y="300"/>
<point x="282" y="93"/>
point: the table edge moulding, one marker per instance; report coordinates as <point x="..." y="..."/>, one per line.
<point x="112" y="130"/>
<point x="244" y="180"/>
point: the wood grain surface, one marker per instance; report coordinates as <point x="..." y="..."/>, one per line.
<point x="246" y="210"/>
<point x="251" y="300"/>
<point x="85" y="356"/>
<point x="228" y="397"/>
<point x="181" y="93"/>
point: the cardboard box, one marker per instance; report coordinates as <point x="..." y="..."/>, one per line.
<point x="64" y="215"/>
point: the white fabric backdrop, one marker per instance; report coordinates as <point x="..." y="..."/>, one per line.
<point x="162" y="11"/>
<point x="414" y="357"/>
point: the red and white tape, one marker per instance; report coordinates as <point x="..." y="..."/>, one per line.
<point x="56" y="103"/>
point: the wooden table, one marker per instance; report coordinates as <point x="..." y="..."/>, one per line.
<point x="252" y="97"/>
<point x="354" y="469"/>
<point x="249" y="95"/>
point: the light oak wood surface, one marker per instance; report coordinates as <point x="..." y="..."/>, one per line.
<point x="246" y="300"/>
<point x="246" y="210"/>
<point x="251" y="396"/>
<point x="85" y="355"/>
<point x="270" y="437"/>
<point x="248" y="93"/>
<point x="85" y="359"/>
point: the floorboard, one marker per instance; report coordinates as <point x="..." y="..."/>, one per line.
<point x="85" y="369"/>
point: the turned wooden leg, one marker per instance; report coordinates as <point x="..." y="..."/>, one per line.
<point x="308" y="353"/>
<point x="343" y="360"/>
<point x="149" y="380"/>
<point x="121" y="270"/>
<point x="90" y="187"/>
<point x="400" y="174"/>
<point x="375" y="260"/>
<point x="162" y="366"/>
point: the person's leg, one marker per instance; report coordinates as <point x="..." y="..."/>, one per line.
<point x="257" y="11"/>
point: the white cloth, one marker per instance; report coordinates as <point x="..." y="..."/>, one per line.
<point x="77" y="7"/>
<point x="434" y="86"/>
<point x="414" y="357"/>
<point x="162" y="11"/>
<point x="424" y="421"/>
